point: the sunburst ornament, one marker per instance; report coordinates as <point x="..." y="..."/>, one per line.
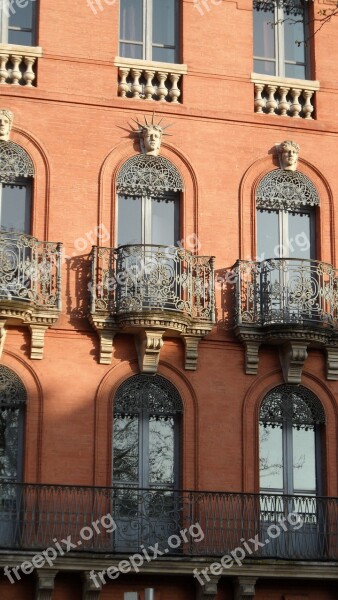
<point x="150" y="135"/>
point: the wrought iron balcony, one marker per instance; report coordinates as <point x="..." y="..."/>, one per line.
<point x="297" y="527"/>
<point x="147" y="287"/>
<point x="287" y="301"/>
<point x="30" y="283"/>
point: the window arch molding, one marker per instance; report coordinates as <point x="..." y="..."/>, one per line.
<point x="104" y="403"/>
<point x="111" y="167"/>
<point x="250" y="425"/>
<point x="247" y="200"/>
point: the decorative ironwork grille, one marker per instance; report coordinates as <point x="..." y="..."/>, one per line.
<point x="14" y="162"/>
<point x="286" y="291"/>
<point x="147" y="278"/>
<point x="149" y="176"/>
<point x="153" y="394"/>
<point x="296" y="404"/>
<point x="30" y="270"/>
<point x="286" y="190"/>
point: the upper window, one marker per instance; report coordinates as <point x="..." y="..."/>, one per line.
<point x="149" y="30"/>
<point x="18" y="23"/>
<point x="279" y="47"/>
<point x="16" y="173"/>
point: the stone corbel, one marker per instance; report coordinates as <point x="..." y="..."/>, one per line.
<point x="106" y="329"/>
<point x="148" y="346"/>
<point x="292" y="357"/>
<point x="44" y="583"/>
<point x="332" y="363"/>
<point x="251" y="357"/>
<point x="245" y="588"/>
<point x="91" y="586"/>
<point x="209" y="589"/>
<point x="191" y="351"/>
<point x="37" y="340"/>
<point x="3" y="333"/>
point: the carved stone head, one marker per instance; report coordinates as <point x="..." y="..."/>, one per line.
<point x="150" y="135"/>
<point x="288" y="152"/>
<point x="6" y="122"/>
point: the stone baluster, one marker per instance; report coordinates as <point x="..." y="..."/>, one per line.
<point x="174" y="93"/>
<point x="16" y="73"/>
<point x="271" y="103"/>
<point x="295" y="107"/>
<point x="162" y="91"/>
<point x="29" y="74"/>
<point x="123" y="87"/>
<point x="149" y="89"/>
<point x="283" y="105"/>
<point x="259" y="101"/>
<point x="3" y="68"/>
<point x="307" y="108"/>
<point x="136" y="87"/>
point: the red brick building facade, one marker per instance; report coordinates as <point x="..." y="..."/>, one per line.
<point x="150" y="381"/>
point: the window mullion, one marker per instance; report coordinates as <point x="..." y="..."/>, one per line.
<point x="4" y="25"/>
<point x="148" y="28"/>
<point x="146" y="220"/>
<point x="279" y="28"/>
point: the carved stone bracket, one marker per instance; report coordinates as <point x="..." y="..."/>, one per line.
<point x="251" y="357"/>
<point x="191" y="351"/>
<point x="332" y="363"/>
<point x="106" y="329"/>
<point x="44" y="583"/>
<point x="91" y="586"/>
<point x="209" y="590"/>
<point x="292" y="357"/>
<point x="37" y="322"/>
<point x="148" y="346"/>
<point x="245" y="588"/>
<point x="3" y="332"/>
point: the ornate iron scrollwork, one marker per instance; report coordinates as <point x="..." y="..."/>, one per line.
<point x="153" y="394"/>
<point x="14" y="162"/>
<point x="12" y="390"/>
<point x="291" y="403"/>
<point x="286" y="190"/>
<point x="148" y="175"/>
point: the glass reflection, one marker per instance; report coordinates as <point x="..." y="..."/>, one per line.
<point x="126" y="449"/>
<point x="161" y="450"/>
<point x="304" y="460"/>
<point x="271" y="457"/>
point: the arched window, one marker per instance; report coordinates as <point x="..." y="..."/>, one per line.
<point x="146" y="441"/>
<point x="148" y="202"/>
<point x="16" y="173"/>
<point x="13" y="398"/>
<point x="290" y="421"/>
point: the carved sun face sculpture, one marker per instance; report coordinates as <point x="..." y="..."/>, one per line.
<point x="6" y="120"/>
<point x="151" y="138"/>
<point x="288" y="154"/>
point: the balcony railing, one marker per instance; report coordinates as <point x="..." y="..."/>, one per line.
<point x="296" y="527"/>
<point x="30" y="271"/>
<point x="149" y="80"/>
<point x="144" y="278"/>
<point x="284" y="96"/>
<point x="286" y="292"/>
<point x="18" y="64"/>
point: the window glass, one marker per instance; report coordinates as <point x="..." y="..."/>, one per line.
<point x="304" y="460"/>
<point x="267" y="234"/>
<point x="126" y="449"/>
<point x="161" y="450"/>
<point x="271" y="457"/>
<point x="264" y="34"/>
<point x="164" y="55"/>
<point x="129" y="220"/>
<point x="15" y="208"/>
<point x="131" y="20"/>
<point x="165" y="214"/>
<point x="9" y="431"/>
<point x="294" y="32"/>
<point x="299" y="235"/>
<point x="295" y="71"/>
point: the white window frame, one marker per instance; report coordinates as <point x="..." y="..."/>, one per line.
<point x="147" y="33"/>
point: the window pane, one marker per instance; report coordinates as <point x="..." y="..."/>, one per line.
<point x="264" y="35"/>
<point x="126" y="449"/>
<point x="9" y="422"/>
<point x="161" y="450"/>
<point x="164" y="22"/>
<point x="129" y="220"/>
<point x="299" y="242"/>
<point x="165" y="216"/>
<point x="21" y="17"/>
<point x="304" y="460"/>
<point x="295" y="71"/>
<point x="131" y="20"/>
<point x="294" y="32"/>
<point x="131" y="50"/>
<point x="15" y="208"/>
<point x="21" y="38"/>
<point x="265" y="67"/>
<point x="267" y="234"/>
<point x="270" y="458"/>
<point x="168" y="55"/>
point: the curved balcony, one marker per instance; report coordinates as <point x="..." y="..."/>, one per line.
<point x="152" y="290"/>
<point x="30" y="285"/>
<point x="288" y="300"/>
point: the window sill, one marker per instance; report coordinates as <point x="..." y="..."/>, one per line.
<point x="284" y="96"/>
<point x="149" y="80"/>
<point x="34" y="51"/>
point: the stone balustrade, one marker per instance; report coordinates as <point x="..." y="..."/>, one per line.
<point x="149" y="80"/>
<point x="18" y="64"/>
<point x="284" y="96"/>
